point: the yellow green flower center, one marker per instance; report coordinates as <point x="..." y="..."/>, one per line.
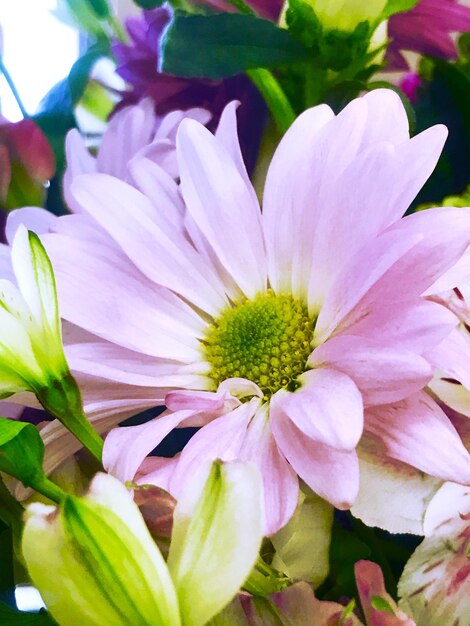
<point x="266" y="340"/>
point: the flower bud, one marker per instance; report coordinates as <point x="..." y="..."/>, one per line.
<point x="345" y="15"/>
<point x="94" y="561"/>
<point x="31" y="352"/>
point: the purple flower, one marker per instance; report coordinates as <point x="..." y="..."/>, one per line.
<point x="427" y="29"/>
<point x="137" y="65"/>
<point x="410" y="85"/>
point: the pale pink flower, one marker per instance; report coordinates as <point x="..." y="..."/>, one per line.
<point x="135" y="132"/>
<point x="286" y="334"/>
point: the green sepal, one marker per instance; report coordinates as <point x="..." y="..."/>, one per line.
<point x="303" y="24"/>
<point x="264" y="579"/>
<point x="340" y="49"/>
<point x="62" y="398"/>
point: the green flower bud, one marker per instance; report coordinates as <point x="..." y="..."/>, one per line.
<point x="345" y="15"/>
<point x="31" y="352"/>
<point x="95" y="562"/>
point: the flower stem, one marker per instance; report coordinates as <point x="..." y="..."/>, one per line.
<point x="62" y="399"/>
<point x="264" y="579"/>
<point x="242" y="6"/>
<point x="274" y="96"/>
<point x="117" y="28"/>
<point x="47" y="488"/>
<point x="315" y="85"/>
<point x="13" y="88"/>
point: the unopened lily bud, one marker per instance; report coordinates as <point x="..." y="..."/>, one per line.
<point x="94" y="561"/>
<point x="31" y="351"/>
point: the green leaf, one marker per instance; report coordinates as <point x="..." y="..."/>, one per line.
<point x="96" y="101"/>
<point x="221" y="45"/>
<point x="345" y="550"/>
<point x="10" y="617"/>
<point x="21" y="450"/>
<point x="80" y="72"/>
<point x="11" y="514"/>
<point x="21" y="456"/>
<point x="397" y="6"/>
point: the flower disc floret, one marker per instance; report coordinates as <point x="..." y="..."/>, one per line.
<point x="266" y="340"/>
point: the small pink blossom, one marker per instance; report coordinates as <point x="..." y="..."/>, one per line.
<point x="26" y="161"/>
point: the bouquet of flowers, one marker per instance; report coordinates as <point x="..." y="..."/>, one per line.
<point x="234" y="327"/>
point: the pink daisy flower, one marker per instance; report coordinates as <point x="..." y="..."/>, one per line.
<point x="286" y="334"/>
